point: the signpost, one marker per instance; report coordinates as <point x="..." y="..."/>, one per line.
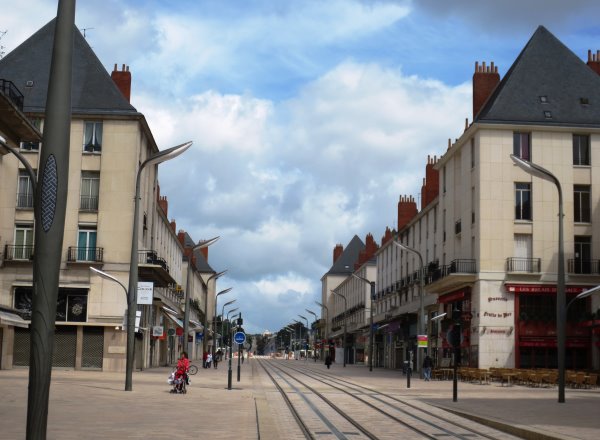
<point x="239" y="338"/>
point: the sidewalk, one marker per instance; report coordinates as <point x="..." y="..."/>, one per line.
<point x="93" y="405"/>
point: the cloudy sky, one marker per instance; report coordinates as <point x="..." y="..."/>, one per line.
<point x="310" y="118"/>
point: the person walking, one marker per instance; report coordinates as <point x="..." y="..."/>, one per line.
<point x="427" y="364"/>
<point x="209" y="359"/>
<point x="328" y="361"/>
<point x="217" y="357"/>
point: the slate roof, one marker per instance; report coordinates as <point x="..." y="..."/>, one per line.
<point x="545" y="67"/>
<point x="345" y="263"/>
<point x="93" y="90"/>
<point x="201" y="263"/>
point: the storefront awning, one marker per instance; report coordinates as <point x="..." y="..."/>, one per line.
<point x="12" y="319"/>
<point x="196" y="324"/>
<point x="176" y="320"/>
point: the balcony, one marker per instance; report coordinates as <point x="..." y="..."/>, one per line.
<point x="85" y="254"/>
<point x="152" y="267"/>
<point x="88" y="203"/>
<point x="12" y="93"/>
<point x="583" y="267"/>
<point x="457" y="272"/>
<point x="18" y="253"/>
<point x="527" y="265"/>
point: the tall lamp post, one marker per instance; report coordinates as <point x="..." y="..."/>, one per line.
<point x="222" y="292"/>
<point x="228" y="303"/>
<point x="188" y="287"/>
<point x="421" y="318"/>
<point x="561" y="317"/>
<point x="345" y="309"/>
<point x="155" y="159"/>
<point x="299" y="336"/>
<point x="372" y="293"/>
<point x="314" y="336"/>
<point x="325" y="333"/>
<point x="290" y="331"/>
<point x="307" y="337"/>
<point x="214" y="276"/>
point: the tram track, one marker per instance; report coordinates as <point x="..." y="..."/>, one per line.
<point x="383" y="409"/>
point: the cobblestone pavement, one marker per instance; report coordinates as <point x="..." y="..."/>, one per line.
<point x="93" y="405"/>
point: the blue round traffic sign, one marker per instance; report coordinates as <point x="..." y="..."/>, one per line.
<point x="239" y="337"/>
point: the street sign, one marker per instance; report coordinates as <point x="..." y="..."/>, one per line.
<point x="422" y="341"/>
<point x="239" y="337"/>
<point x="145" y="292"/>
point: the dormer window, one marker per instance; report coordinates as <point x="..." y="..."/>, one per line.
<point x="544" y="99"/>
<point x="584" y="101"/>
<point x="547" y="114"/>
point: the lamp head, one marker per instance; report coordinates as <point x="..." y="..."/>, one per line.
<point x="224" y="291"/>
<point x="169" y="153"/>
<point x="205" y="243"/>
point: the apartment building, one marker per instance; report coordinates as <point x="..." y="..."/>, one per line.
<point x="108" y="142"/>
<point x="488" y="234"/>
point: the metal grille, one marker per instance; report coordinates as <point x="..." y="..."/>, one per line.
<point x="21" y="348"/>
<point x="65" y="342"/>
<point x="93" y="347"/>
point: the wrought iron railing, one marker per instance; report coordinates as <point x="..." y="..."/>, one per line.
<point x="531" y="265"/>
<point x="24" y="200"/>
<point x="88" y="203"/>
<point x="151" y="257"/>
<point x="12" y="92"/>
<point x="94" y="254"/>
<point x="578" y="266"/>
<point x="18" y="252"/>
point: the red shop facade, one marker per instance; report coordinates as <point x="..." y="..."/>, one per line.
<point x="458" y="300"/>
<point x="535" y="327"/>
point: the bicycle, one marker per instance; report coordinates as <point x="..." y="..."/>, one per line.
<point x="193" y="370"/>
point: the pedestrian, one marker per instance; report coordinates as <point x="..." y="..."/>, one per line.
<point x="209" y="359"/>
<point x="204" y="357"/>
<point x="217" y="357"/>
<point x="328" y="361"/>
<point x="427" y="364"/>
<point x="183" y="366"/>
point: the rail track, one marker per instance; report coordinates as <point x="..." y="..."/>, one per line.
<point x="324" y="405"/>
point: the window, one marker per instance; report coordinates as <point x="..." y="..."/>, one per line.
<point x="90" y="183"/>
<point x="23" y="242"/>
<point x="581" y="203"/>
<point x="581" y="149"/>
<point x="583" y="254"/>
<point x="444" y="226"/>
<point x="92" y="137"/>
<point x="86" y="245"/>
<point x="521" y="146"/>
<point x="523" y="201"/>
<point x="33" y="145"/>
<point x="472" y="153"/>
<point x="24" y="190"/>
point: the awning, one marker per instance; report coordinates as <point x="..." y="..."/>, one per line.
<point x="12" y="319"/>
<point x="197" y="324"/>
<point x="175" y="320"/>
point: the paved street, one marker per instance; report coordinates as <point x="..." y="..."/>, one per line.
<point x="93" y="405"/>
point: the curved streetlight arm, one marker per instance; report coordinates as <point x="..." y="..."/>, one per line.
<point x="108" y="277"/>
<point x="582" y="295"/>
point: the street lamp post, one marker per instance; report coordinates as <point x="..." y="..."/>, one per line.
<point x="188" y="288"/>
<point x="298" y="330"/>
<point x="372" y="293"/>
<point x="326" y="334"/>
<point x="345" y="309"/>
<point x="307" y="336"/>
<point x="290" y="331"/>
<point x="155" y="159"/>
<point x="314" y="336"/>
<point x="561" y="316"/>
<point x="230" y="336"/>
<point x="214" y="276"/>
<point x="223" y="317"/>
<point x="222" y="292"/>
<point x="421" y="318"/>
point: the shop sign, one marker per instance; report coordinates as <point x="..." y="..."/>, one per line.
<point x="422" y="341"/>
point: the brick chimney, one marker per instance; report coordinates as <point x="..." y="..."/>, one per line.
<point x="594" y="61"/>
<point x="407" y="209"/>
<point x="387" y="236"/>
<point x="164" y="204"/>
<point x="485" y="80"/>
<point x="431" y="182"/>
<point x="174" y="226"/>
<point x="181" y="237"/>
<point x="122" y="79"/>
<point x="338" y="250"/>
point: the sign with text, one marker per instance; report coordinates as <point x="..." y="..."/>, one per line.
<point x="422" y="341"/>
<point x="145" y="291"/>
<point x="157" y="331"/>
